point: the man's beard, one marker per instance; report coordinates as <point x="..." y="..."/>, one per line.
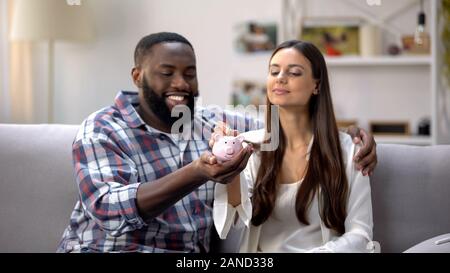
<point x="159" y="107"/>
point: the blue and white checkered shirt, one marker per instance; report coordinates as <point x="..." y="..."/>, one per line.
<point x="113" y="153"/>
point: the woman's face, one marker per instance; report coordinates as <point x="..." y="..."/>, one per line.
<point x="290" y="81"/>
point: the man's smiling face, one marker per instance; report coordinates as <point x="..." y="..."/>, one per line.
<point x="169" y="78"/>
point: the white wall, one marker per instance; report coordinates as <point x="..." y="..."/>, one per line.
<point x="88" y="76"/>
<point x="4" y="86"/>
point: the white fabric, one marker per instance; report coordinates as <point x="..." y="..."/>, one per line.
<point x="283" y="229"/>
<point x="358" y="224"/>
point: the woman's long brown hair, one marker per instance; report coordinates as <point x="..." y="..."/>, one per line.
<point x="325" y="170"/>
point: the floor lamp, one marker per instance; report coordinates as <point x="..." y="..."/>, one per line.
<point x="50" y="21"/>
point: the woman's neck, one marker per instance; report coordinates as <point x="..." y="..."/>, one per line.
<point x="296" y="126"/>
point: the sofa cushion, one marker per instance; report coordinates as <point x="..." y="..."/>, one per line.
<point x="410" y="195"/>
<point x="37" y="186"/>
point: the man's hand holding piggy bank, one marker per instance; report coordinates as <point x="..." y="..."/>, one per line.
<point x="228" y="159"/>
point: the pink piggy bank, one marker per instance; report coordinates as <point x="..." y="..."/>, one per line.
<point x="225" y="147"/>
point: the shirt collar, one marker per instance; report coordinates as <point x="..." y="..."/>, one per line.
<point x="126" y="102"/>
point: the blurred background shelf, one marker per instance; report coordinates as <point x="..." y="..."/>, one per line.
<point x="379" y="60"/>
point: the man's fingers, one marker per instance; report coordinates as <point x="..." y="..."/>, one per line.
<point x="366" y="138"/>
<point x="353" y="131"/>
<point x="366" y="157"/>
<point x="369" y="170"/>
<point x="208" y="158"/>
<point x="223" y="129"/>
<point x="234" y="163"/>
<point x="222" y="172"/>
<point x="233" y="170"/>
<point x="212" y="139"/>
<point x="225" y="168"/>
<point x="219" y="130"/>
<point x="367" y="160"/>
<point x="211" y="143"/>
<point x="212" y="160"/>
<point x="356" y="140"/>
<point x="363" y="152"/>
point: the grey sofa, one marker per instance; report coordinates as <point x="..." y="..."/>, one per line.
<point x="410" y="192"/>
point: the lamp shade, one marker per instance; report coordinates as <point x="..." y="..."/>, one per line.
<point x="35" y="20"/>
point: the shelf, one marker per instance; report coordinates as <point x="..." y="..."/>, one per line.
<point x="381" y="60"/>
<point x="411" y="140"/>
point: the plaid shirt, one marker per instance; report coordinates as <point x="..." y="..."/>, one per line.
<point x="113" y="153"/>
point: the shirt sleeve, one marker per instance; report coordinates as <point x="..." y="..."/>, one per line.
<point x="226" y="216"/>
<point x="107" y="181"/>
<point x="359" y="222"/>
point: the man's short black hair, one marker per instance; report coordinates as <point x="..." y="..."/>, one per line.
<point x="146" y="43"/>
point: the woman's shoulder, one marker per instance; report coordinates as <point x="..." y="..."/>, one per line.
<point x="256" y="136"/>
<point x="347" y="145"/>
<point x="346" y="140"/>
<point x="254" y="162"/>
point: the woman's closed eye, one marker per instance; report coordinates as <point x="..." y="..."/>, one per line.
<point x="274" y="73"/>
<point x="295" y="72"/>
<point x="274" y="70"/>
<point x="290" y="73"/>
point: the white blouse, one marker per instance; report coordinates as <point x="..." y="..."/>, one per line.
<point x="282" y="232"/>
<point x="283" y="228"/>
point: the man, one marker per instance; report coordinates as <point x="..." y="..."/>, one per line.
<point x="142" y="188"/>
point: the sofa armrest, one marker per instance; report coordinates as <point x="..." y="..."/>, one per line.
<point x="438" y="244"/>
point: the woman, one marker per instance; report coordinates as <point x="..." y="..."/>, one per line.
<point x="306" y="196"/>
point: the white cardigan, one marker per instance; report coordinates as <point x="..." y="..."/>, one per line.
<point x="358" y="223"/>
